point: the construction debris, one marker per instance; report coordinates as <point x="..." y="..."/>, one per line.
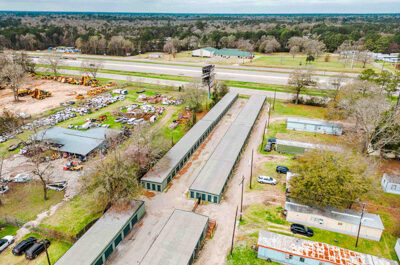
<point x="158" y="98"/>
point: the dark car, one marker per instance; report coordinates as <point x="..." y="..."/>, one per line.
<point x="282" y="169"/>
<point x="22" y="246"/>
<point x="36" y="249"/>
<point x="302" y="230"/>
<point x="272" y="140"/>
<point x="268" y="147"/>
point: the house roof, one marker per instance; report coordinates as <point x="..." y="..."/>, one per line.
<point x="314" y="122"/>
<point x="232" y="52"/>
<point x="177" y="240"/>
<point x="317" y="251"/>
<point x="346" y="216"/>
<point x="210" y="49"/>
<point x="98" y="237"/>
<point x="392" y="178"/>
<point x="74" y="141"/>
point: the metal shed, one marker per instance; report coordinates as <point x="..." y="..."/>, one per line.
<point x="211" y="182"/>
<point x="162" y="173"/>
<point x="74" y="141"/>
<point x="314" y="126"/>
<point x="94" y="247"/>
<point x="179" y="240"/>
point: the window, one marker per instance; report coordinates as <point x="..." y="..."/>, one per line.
<point x="153" y="186"/>
<point x="191" y="194"/>
<point x="209" y="198"/>
<point x="302" y="259"/>
<point x="215" y="199"/>
<point x="148" y="186"/>
<point x="288" y="256"/>
<point x="394" y="187"/>
<point x="158" y="187"/>
<point x="203" y="197"/>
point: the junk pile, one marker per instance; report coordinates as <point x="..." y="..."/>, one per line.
<point x="158" y="98"/>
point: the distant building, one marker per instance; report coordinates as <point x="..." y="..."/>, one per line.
<point x="290" y="250"/>
<point x="204" y="52"/>
<point x="314" y="126"/>
<point x="340" y="221"/>
<point x="155" y="55"/>
<point x="295" y="147"/>
<point x="391" y="183"/>
<point x="225" y="53"/>
<point x="74" y="141"/>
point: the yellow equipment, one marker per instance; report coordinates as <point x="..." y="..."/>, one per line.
<point x="24" y="92"/>
<point x="40" y="94"/>
<point x="79" y="96"/>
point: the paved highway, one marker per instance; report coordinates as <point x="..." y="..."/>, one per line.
<point x="249" y="75"/>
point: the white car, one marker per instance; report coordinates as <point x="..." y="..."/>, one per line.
<point x="22" y="177"/>
<point x="5" y="242"/>
<point x="266" y="180"/>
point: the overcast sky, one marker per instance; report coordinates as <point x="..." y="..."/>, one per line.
<point x="207" y="6"/>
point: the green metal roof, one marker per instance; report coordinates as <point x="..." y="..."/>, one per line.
<point x="232" y="52"/>
<point x="210" y="49"/>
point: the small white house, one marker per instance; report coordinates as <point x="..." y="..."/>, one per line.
<point x="204" y="52"/>
<point x="391" y="183"/>
<point x="155" y="55"/>
<point x="308" y="125"/>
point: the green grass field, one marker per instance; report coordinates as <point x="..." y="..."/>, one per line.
<point x="288" y="109"/>
<point x="8" y="230"/>
<point x="25" y="200"/>
<point x="285" y="60"/>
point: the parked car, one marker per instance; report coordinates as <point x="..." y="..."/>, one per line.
<point x="282" y="169"/>
<point x="23" y="246"/>
<point x="58" y="185"/>
<point x="302" y="230"/>
<point x="36" y="249"/>
<point x="22" y="177"/>
<point x="266" y="180"/>
<point x="14" y="146"/>
<point x="5" y="242"/>
<point x="272" y="140"/>
<point x="268" y="147"/>
<point x="3" y="189"/>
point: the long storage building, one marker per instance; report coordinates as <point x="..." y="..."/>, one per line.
<point x="162" y="173"/>
<point x="94" y="247"/>
<point x="213" y="177"/>
<point x="179" y="240"/>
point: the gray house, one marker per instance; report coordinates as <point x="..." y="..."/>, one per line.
<point x="314" y="126"/>
<point x="391" y="183"/>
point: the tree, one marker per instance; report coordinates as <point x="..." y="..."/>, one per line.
<point x="194" y="96"/>
<point x="52" y="62"/>
<point x="22" y="59"/>
<point x="337" y="83"/>
<point x="299" y="80"/>
<point x="91" y="67"/>
<point x="172" y="46"/>
<point x="221" y="89"/>
<point x="314" y="48"/>
<point x="294" y="50"/>
<point x="364" y="57"/>
<point x="368" y="75"/>
<point x="310" y="58"/>
<point x="269" y="45"/>
<point x="330" y="179"/>
<point x="12" y="76"/>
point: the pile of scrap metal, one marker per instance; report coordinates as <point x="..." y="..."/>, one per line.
<point x="158" y="98"/>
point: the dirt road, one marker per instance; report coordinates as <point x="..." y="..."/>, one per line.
<point x="160" y="207"/>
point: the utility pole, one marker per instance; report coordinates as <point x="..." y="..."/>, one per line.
<point x="273" y="105"/>
<point x="172" y="137"/>
<point x="269" y="115"/>
<point x="234" y="229"/>
<point x="241" y="199"/>
<point x="359" y="225"/>
<point x="47" y="253"/>
<point x="251" y="166"/>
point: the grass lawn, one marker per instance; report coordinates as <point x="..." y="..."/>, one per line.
<point x="285" y="60"/>
<point x="289" y="109"/>
<point x="243" y="255"/>
<point x="73" y="216"/>
<point x="178" y="132"/>
<point x="55" y="250"/>
<point x="260" y="216"/>
<point x="25" y="200"/>
<point x="8" y="230"/>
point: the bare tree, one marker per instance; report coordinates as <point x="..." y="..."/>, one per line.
<point x="172" y="46"/>
<point x="336" y="83"/>
<point x="91" y="67"/>
<point x="314" y="48"/>
<point x="194" y="96"/>
<point x="294" y="50"/>
<point x="364" y="57"/>
<point x="269" y="45"/>
<point x="12" y="76"/>
<point x="299" y="80"/>
<point x="52" y="62"/>
<point x="42" y="167"/>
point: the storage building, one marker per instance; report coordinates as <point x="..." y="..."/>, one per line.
<point x="307" y="125"/>
<point x="179" y="240"/>
<point x="295" y="147"/>
<point x="204" y="52"/>
<point x="291" y="250"/>
<point x="211" y="182"/>
<point x="227" y="53"/>
<point x="94" y="247"/>
<point x="340" y="221"/>
<point x="391" y="183"/>
<point x="162" y="173"/>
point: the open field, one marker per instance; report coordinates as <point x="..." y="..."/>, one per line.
<point x="25" y="200"/>
<point x="285" y="60"/>
<point x="288" y="109"/>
